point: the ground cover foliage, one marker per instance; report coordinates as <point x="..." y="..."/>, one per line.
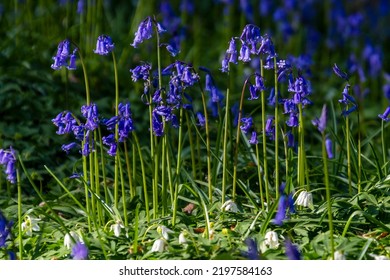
<point x="194" y="130"/>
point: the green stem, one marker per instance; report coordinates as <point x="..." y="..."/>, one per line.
<point x="301" y="148"/>
<point x="328" y="196"/>
<point x="128" y="170"/>
<point x="276" y="130"/>
<point x="383" y="146"/>
<point x="263" y="117"/>
<point x="259" y="172"/>
<point x="225" y="139"/>
<point x="20" y="237"/>
<point x="348" y="155"/>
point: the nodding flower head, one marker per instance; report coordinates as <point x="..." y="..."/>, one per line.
<point x="64" y="56"/>
<point x="104" y="45"/>
<point x="340" y="73"/>
<point x="385" y="115"/>
<point x="8" y="160"/>
<point x="144" y="32"/>
<point x="320" y="123"/>
<point x="141" y="72"/>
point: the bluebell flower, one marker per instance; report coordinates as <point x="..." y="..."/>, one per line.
<point x="385" y="115"/>
<point x="144" y="32"/>
<point x="201" y="119"/>
<point x="252" y="253"/>
<point x="88" y="145"/>
<point x="267" y="47"/>
<point x="79" y="251"/>
<point x="80" y="6"/>
<point x="292" y="251"/>
<point x="348" y="101"/>
<point x="63" y="55"/>
<point x="285" y="206"/>
<point x="65" y="122"/>
<point x="104" y="45"/>
<point x="251" y="37"/>
<point x="91" y="114"/>
<point x="157" y="124"/>
<point x="5" y="228"/>
<point x="340" y="73"/>
<point x="244" y="53"/>
<point x="320" y="123"/>
<point x="253" y="139"/>
<point x="270" y="128"/>
<point x="141" y="72"/>
<point x="67" y="147"/>
<point x="253" y="92"/>
<point x="329" y="147"/>
<point x="293" y="120"/>
<point x="8" y="161"/>
<point x="110" y="141"/>
<point x="246" y="124"/>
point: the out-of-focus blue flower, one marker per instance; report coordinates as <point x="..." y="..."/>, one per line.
<point x="8" y="161"/>
<point x="340" y="73"/>
<point x="292" y="251"/>
<point x="329" y="147"/>
<point x="5" y="227"/>
<point x="80" y="6"/>
<point x="385" y="115"/>
<point x="246" y="124"/>
<point x="79" y="251"/>
<point x="285" y="206"/>
<point x="374" y="57"/>
<point x="72" y="61"/>
<point x="144" y="32"/>
<point x="270" y="128"/>
<point x="141" y="72"/>
<point x="104" y="45"/>
<point x="293" y="120"/>
<point x="201" y="119"/>
<point x="320" y="123"/>
<point x="253" y="139"/>
<point x="252" y="253"/>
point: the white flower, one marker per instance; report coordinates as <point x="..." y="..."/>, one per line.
<point x="305" y="199"/>
<point x="271" y="240"/>
<point x="339" y="256"/>
<point x="68" y="241"/>
<point x="182" y="238"/>
<point x="30" y="224"/>
<point x="229" y="205"/>
<point x="116" y="228"/>
<point x="158" y="245"/>
<point x="378" y="257"/>
<point x="163" y="230"/>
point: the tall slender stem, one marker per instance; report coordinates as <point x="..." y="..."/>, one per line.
<point x="225" y="139"/>
<point x="263" y="117"/>
<point x="276" y="130"/>
<point x="348" y="155"/>
<point x="19" y="214"/>
<point x="328" y="197"/>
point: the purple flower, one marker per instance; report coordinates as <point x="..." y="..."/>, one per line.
<point x="157" y="124"/>
<point x="321" y="122"/>
<point x="253" y="252"/>
<point x="253" y="92"/>
<point x="67" y="147"/>
<point x="286" y="204"/>
<point x="267" y="47"/>
<point x="201" y="119"/>
<point x="385" y="115"/>
<point x="5" y="228"/>
<point x="270" y="128"/>
<point x="293" y="120"/>
<point x="125" y="123"/>
<point x="62" y="56"/>
<point x="340" y="73"/>
<point x="246" y="124"/>
<point x="141" y="72"/>
<point x="91" y="114"/>
<point x="65" y="122"/>
<point x="80" y="6"/>
<point x="292" y="251"/>
<point x="244" y="53"/>
<point x="328" y="146"/>
<point x="8" y="160"/>
<point x="79" y="251"/>
<point x="110" y="141"/>
<point x="144" y="32"/>
<point x="349" y="102"/>
<point x="104" y="45"/>
<point x="253" y="139"/>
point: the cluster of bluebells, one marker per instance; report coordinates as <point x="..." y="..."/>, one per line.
<point x="67" y="124"/>
<point x="8" y="161"/>
<point x="125" y="125"/>
<point x="64" y="56"/>
<point x="252" y="43"/>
